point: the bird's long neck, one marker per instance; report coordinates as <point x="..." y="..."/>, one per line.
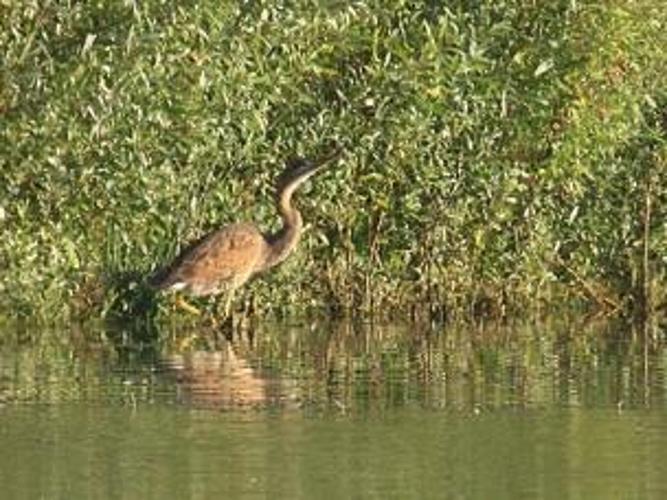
<point x="283" y="242"/>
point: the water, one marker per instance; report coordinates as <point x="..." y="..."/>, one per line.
<point x="333" y="411"/>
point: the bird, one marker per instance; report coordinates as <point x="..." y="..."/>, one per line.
<point x="226" y="258"/>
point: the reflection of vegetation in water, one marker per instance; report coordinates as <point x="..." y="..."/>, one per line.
<point x="69" y="364"/>
<point x="463" y="368"/>
<point x="340" y="368"/>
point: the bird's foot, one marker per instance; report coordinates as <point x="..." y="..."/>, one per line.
<point x="186" y="342"/>
<point x="180" y="302"/>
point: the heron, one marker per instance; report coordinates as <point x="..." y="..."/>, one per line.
<point x="226" y="258"/>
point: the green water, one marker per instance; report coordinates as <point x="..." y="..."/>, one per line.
<point x="333" y="411"/>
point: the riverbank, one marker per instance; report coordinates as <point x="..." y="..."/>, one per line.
<point x="498" y="159"/>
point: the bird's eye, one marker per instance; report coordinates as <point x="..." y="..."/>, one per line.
<point x="298" y="164"/>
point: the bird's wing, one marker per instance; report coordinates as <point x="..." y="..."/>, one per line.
<point x="225" y="255"/>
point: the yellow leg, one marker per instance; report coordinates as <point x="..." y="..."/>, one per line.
<point x="180" y="302"/>
<point x="228" y="303"/>
<point x="223" y="313"/>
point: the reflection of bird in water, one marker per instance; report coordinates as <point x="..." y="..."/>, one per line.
<point x="225" y="259"/>
<point x="218" y="379"/>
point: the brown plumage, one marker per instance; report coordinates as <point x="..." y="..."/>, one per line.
<point x="225" y="259"/>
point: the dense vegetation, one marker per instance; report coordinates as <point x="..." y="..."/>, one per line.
<point x="500" y="155"/>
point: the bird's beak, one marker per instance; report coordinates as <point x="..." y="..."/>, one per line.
<point x="329" y="157"/>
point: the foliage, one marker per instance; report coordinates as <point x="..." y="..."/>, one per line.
<point x="498" y="155"/>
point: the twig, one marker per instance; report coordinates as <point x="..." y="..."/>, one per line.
<point x="602" y="300"/>
<point x="647" y="300"/>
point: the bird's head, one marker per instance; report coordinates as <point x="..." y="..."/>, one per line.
<point x="298" y="170"/>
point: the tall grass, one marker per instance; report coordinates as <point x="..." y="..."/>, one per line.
<point x="500" y="155"/>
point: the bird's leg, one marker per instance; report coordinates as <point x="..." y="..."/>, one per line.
<point x="180" y="302"/>
<point x="228" y="303"/>
<point x="227" y="320"/>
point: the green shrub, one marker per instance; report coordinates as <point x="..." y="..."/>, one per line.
<point x="499" y="156"/>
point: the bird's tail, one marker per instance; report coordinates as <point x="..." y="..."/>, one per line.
<point x="160" y="279"/>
